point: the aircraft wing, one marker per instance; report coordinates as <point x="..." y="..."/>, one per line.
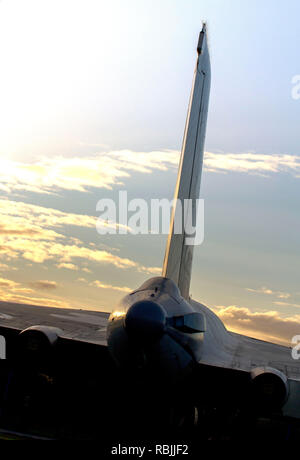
<point x="80" y="325"/>
<point x="57" y="375"/>
<point x="230" y="357"/>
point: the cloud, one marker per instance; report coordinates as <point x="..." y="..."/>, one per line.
<point x="107" y="169"/>
<point x="21" y="218"/>
<point x="287" y="304"/>
<point x="43" y="284"/>
<point x="5" y="283"/>
<point x="37" y="300"/>
<point x="47" y="236"/>
<point x="100" y="285"/>
<point x="4" y="267"/>
<point x="23" y="224"/>
<point x="253" y="163"/>
<point x="103" y="170"/>
<point x="67" y="266"/>
<point x="262" y="290"/>
<point x="270" y="325"/>
<point x="267" y="291"/>
<point x="150" y="270"/>
<point x="283" y="295"/>
<point x="67" y="253"/>
<point x="86" y="270"/>
<point x="11" y="291"/>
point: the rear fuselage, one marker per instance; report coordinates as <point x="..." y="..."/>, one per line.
<point x="154" y="327"/>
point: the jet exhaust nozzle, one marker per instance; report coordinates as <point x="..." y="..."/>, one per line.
<point x="269" y="387"/>
<point x="145" y="321"/>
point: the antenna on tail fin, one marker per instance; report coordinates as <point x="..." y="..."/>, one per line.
<point x="179" y="255"/>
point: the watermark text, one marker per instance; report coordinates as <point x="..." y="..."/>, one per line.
<point x="2" y="347"/>
<point x="138" y="217"/>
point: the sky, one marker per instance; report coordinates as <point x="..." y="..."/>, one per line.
<point x="93" y="100"/>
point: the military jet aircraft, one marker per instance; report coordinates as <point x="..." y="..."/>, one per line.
<point x="160" y="361"/>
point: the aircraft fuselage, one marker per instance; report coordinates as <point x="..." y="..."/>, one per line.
<point x="155" y="327"/>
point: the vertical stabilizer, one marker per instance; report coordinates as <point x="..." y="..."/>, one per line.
<point x="179" y="255"/>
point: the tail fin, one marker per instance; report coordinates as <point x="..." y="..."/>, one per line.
<point x="178" y="257"/>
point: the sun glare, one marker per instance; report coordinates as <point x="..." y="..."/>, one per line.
<point x="50" y="65"/>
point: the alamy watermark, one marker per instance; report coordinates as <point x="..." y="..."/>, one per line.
<point x="138" y="217"/>
<point x="296" y="348"/>
<point x="2" y="347"/>
<point x="296" y="87"/>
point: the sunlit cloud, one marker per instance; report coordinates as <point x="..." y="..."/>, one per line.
<point x="87" y="270"/>
<point x="5" y="283"/>
<point x="27" y="219"/>
<point x="253" y="163"/>
<point x="108" y="169"/>
<point x="24" y="223"/>
<point x="37" y="300"/>
<point x="67" y="253"/>
<point x="269" y="326"/>
<point x="67" y="266"/>
<point x="267" y="291"/>
<point x="283" y="295"/>
<point x="5" y="267"/>
<point x="287" y="304"/>
<point x="103" y="170"/>
<point x="12" y="291"/>
<point x="100" y="285"/>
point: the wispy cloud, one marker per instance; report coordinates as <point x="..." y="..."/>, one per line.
<point x="37" y="300"/>
<point x="12" y="291"/>
<point x="287" y="304"/>
<point x="267" y="291"/>
<point x="5" y="283"/>
<point x="107" y="169"/>
<point x="67" y="266"/>
<point x="253" y="163"/>
<point x="100" y="285"/>
<point x="43" y="284"/>
<point x="21" y="218"/>
<point x="24" y="223"/>
<point x="4" y="267"/>
<point x="103" y="170"/>
<point x="270" y="325"/>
